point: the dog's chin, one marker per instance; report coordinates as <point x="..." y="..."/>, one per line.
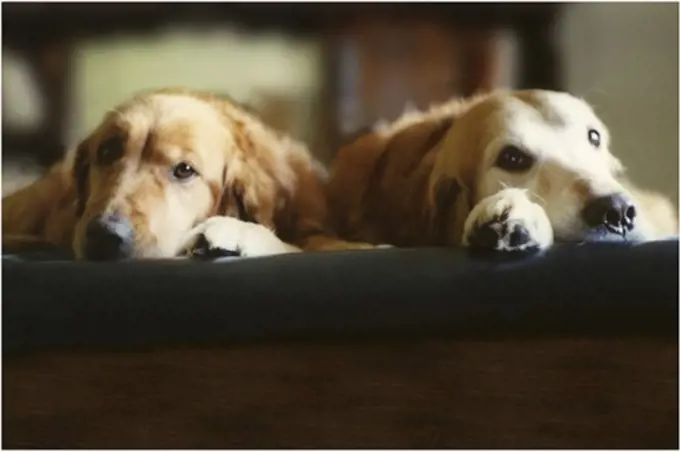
<point x="153" y="253"/>
<point x="602" y="235"/>
<point x="136" y="253"/>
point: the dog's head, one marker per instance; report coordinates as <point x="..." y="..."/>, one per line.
<point x="163" y="162"/>
<point x="551" y="144"/>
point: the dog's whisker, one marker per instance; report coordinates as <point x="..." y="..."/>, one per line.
<point x="539" y="197"/>
<point x="505" y="185"/>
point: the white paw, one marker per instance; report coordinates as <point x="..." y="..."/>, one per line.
<point x="508" y="221"/>
<point x="227" y="236"/>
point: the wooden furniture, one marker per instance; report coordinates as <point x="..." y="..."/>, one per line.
<point x="395" y="348"/>
<point x="416" y="52"/>
<point x="577" y="392"/>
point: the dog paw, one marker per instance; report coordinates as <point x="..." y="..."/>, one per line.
<point x="226" y="236"/>
<point x="508" y="222"/>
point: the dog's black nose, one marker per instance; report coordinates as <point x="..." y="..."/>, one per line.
<point x="109" y="237"/>
<point x="615" y="212"/>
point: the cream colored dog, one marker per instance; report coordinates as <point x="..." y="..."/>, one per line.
<point x="506" y="171"/>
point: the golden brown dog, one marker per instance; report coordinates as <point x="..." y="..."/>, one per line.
<point x="503" y="171"/>
<point x="167" y="168"/>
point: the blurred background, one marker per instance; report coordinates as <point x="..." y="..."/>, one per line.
<point x="323" y="71"/>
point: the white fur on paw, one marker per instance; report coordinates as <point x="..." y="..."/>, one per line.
<point x="508" y="221"/>
<point x="234" y="235"/>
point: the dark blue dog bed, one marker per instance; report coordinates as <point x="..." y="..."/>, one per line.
<point x="49" y="301"/>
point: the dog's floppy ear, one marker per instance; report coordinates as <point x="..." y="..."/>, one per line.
<point x="256" y="173"/>
<point x="450" y="191"/>
<point x="231" y="201"/>
<point x="80" y="172"/>
<point x="415" y="142"/>
<point x="446" y="193"/>
<point x="450" y="206"/>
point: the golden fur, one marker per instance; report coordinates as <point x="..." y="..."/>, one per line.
<point x="244" y="168"/>
<point x="415" y="182"/>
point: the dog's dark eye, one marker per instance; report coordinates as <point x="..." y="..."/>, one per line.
<point x="514" y="160"/>
<point x="183" y="171"/>
<point x="594" y="137"/>
<point x="109" y="151"/>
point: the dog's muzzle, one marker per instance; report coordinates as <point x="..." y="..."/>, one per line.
<point x="109" y="237"/>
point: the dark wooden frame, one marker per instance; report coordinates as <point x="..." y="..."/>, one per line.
<point x="44" y="33"/>
<point x="504" y="392"/>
